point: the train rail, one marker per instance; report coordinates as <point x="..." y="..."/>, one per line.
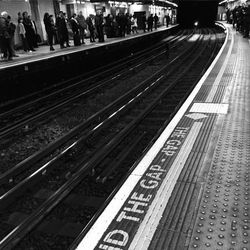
<point x="45" y="134"/>
<point x="69" y="189"/>
<point x="21" y="112"/>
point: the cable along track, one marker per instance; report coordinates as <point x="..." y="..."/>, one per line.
<point x="55" y="203"/>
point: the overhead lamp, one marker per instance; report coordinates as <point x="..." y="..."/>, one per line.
<point x="226" y="1"/>
<point x="168" y="2"/>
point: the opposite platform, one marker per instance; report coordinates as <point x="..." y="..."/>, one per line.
<point x="43" y="53"/>
<point x="191" y="190"/>
<point x="43" y="70"/>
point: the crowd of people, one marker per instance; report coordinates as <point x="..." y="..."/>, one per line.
<point x="239" y="17"/>
<point x="26" y="29"/>
<point x="57" y="29"/>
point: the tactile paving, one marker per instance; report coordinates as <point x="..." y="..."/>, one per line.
<point x="223" y="220"/>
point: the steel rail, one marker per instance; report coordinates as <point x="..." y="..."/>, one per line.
<point x="96" y="72"/>
<point x="92" y="75"/>
<point x="8" y="129"/>
<point x="107" y="201"/>
<point x="76" y="177"/>
<point x="91" y="121"/>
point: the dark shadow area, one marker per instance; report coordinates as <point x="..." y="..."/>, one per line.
<point x="203" y="12"/>
<point x="27" y="78"/>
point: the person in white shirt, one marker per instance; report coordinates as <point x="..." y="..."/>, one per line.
<point x="22" y="33"/>
<point x="134" y="25"/>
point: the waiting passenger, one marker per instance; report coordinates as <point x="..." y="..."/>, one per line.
<point x="82" y="26"/>
<point x="5" y="38"/>
<point x="144" y="20"/>
<point x="246" y="22"/>
<point x="167" y="17"/>
<point x="75" y="29"/>
<point x="116" y="28"/>
<point x="228" y="14"/>
<point x="122" y="22"/>
<point x="62" y="30"/>
<point x="36" y="37"/>
<point x="22" y="34"/>
<point x="134" y="24"/>
<point x="150" y="22"/>
<point x="234" y="17"/>
<point x="91" y="28"/>
<point x="99" y="24"/>
<point x="30" y="33"/>
<point x="156" y="19"/>
<point x="239" y="18"/>
<point x="50" y="29"/>
<point x="128" y="23"/>
<point x="109" y="26"/>
<point x="12" y="29"/>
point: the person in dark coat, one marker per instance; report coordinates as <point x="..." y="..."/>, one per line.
<point x="150" y="22"/>
<point x="66" y="33"/>
<point x="12" y="28"/>
<point x="228" y="14"/>
<point x="50" y="29"/>
<point x="109" y="26"/>
<point x="118" y="21"/>
<point x="123" y="24"/>
<point x="75" y="29"/>
<point x="116" y="28"/>
<point x="82" y="26"/>
<point x="5" y="37"/>
<point x="239" y="18"/>
<point x="62" y="30"/>
<point x="246" y="21"/>
<point x="144" y="20"/>
<point x="99" y="23"/>
<point x="74" y="24"/>
<point x="234" y="17"/>
<point x="35" y="36"/>
<point x="91" y="28"/>
<point x="128" y="23"/>
<point x="156" y="19"/>
<point x="167" y="17"/>
<point x="30" y="33"/>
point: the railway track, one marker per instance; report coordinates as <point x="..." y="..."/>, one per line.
<point x="21" y="112"/>
<point x="50" y="206"/>
<point x="17" y="147"/>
